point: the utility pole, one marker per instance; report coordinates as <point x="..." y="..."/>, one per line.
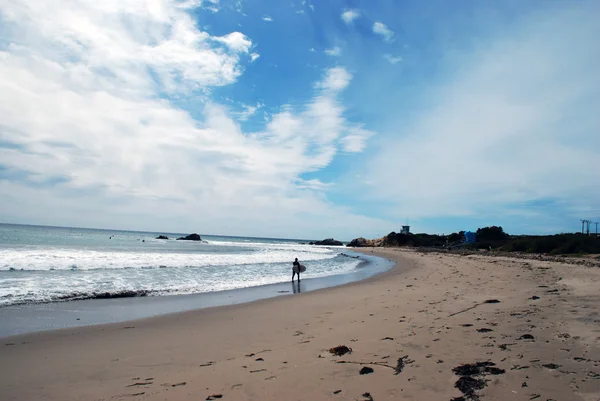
<point x="582" y="224"/>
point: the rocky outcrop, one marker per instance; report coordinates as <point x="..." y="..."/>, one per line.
<point x="162" y="237"/>
<point x="359" y="242"/>
<point x="191" y="237"/>
<point x="327" y="242"/>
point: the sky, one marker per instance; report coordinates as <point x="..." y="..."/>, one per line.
<point x="300" y="118"/>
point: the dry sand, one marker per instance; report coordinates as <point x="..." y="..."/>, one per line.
<point x="277" y="349"/>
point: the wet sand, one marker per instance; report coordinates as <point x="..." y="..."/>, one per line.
<point x="535" y="324"/>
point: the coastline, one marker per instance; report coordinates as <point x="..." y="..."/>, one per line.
<point x="36" y="317"/>
<point x="430" y="313"/>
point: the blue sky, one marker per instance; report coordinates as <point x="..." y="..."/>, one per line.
<point x="300" y="118"/>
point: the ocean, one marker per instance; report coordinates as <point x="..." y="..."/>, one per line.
<point x="40" y="264"/>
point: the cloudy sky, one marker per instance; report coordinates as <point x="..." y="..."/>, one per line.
<point x="300" y="118"/>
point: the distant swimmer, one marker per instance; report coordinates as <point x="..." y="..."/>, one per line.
<point x="297" y="268"/>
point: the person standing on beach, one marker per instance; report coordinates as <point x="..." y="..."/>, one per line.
<point x="296" y="269"/>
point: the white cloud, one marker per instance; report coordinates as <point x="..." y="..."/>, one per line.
<point x="254" y="57"/>
<point x="356" y="139"/>
<point x="336" y="79"/>
<point x="381" y="29"/>
<point x="236" y="41"/>
<point x="391" y="59"/>
<point x="335" y="51"/>
<point x="267" y="18"/>
<point x="515" y="121"/>
<point x="88" y="136"/>
<point x="349" y="16"/>
<point x="249" y="111"/>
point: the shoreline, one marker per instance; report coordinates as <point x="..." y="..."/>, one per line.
<point x="540" y="335"/>
<point x="40" y="317"/>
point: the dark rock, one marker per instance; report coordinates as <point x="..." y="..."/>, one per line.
<point x="191" y="237"/>
<point x="214" y="397"/>
<point x="492" y="301"/>
<point x="484" y="330"/>
<point x="358" y="242"/>
<point x="551" y="366"/>
<point x="162" y="237"/>
<point x="337" y="391"/>
<point x="327" y="242"/>
<point x="366" y="370"/>
<point x="534" y="297"/>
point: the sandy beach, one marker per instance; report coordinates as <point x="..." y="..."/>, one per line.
<point x="535" y="322"/>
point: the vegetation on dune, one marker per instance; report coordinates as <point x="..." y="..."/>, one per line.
<point x="495" y="238"/>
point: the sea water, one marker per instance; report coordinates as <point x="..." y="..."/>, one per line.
<point x="41" y="264"/>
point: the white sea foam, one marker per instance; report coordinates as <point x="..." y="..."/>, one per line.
<point x="68" y="259"/>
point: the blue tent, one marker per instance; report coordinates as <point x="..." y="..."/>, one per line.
<point x="470" y="237"/>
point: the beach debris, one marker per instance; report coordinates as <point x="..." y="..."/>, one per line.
<point x="259" y="359"/>
<point x="270" y="377"/>
<point x="179" y="384"/>
<point x="258" y="370"/>
<point x="534" y="297"/>
<point x="468" y="385"/>
<point x="366" y="370"/>
<point x="551" y="366"/>
<point x="466" y="325"/>
<point x="526" y="337"/>
<point x="214" y="397"/>
<point x="472" y="369"/>
<point x="208" y="364"/>
<point x="337" y="391"/>
<point x="139" y="384"/>
<point x="489" y="301"/>
<point x="534" y="396"/>
<point x="367" y="396"/>
<point x="471" y="381"/>
<point x="387" y="338"/>
<point x="402" y="362"/>
<point x="129" y="327"/>
<point x="340" y="350"/>
<point x="484" y="330"/>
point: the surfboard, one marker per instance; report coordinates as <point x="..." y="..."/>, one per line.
<point x="299" y="269"/>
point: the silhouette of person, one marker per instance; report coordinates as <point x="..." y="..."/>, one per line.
<point x="296" y="269"/>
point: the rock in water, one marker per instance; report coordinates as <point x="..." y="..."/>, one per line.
<point x="191" y="237"/>
<point x="162" y="237"/>
<point x="328" y="242"/>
